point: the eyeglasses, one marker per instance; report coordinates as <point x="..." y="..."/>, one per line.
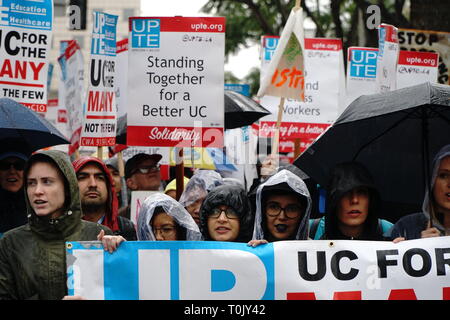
<point x="229" y="213"/>
<point x="147" y="169"/>
<point x="165" y="231"/>
<point x="18" y="165"/>
<point x="291" y="211"/>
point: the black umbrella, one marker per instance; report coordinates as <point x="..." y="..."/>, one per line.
<point x="25" y="130"/>
<point x="240" y="111"/>
<point x="395" y="135"/>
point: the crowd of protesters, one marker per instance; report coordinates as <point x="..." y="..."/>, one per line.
<point x="47" y="200"/>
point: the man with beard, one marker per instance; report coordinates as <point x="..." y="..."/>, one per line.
<point x="98" y="199"/>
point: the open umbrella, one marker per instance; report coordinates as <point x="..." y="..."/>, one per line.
<point x="26" y="129"/>
<point x="241" y="110"/>
<point x="395" y="135"/>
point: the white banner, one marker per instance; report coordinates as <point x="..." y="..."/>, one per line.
<point x="25" y="41"/>
<point x="100" y="119"/>
<point x="292" y="270"/>
<point x="175" y="82"/>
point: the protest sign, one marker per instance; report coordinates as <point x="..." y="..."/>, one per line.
<point x="122" y="80"/>
<point x="323" y="74"/>
<point x="388" y="51"/>
<point x="285" y="73"/>
<point x="292" y="270"/>
<point x="100" y="122"/>
<point x="416" y="67"/>
<point x="137" y="199"/>
<point x="71" y="63"/>
<point x="176" y="80"/>
<point x="240" y="88"/>
<point x="25" y="41"/>
<point x="361" y="72"/>
<point x="429" y="41"/>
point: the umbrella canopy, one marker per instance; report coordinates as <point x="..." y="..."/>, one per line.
<point x="26" y="129"/>
<point x="395" y="135"/>
<point x="241" y="110"/>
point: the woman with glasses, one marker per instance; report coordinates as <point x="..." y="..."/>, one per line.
<point x="283" y="207"/>
<point x="225" y="215"/>
<point x="163" y="218"/>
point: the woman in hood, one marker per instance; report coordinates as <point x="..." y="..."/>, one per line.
<point x="202" y="182"/>
<point x="434" y="220"/>
<point x="32" y="257"/>
<point x="352" y="206"/>
<point x="283" y="207"/>
<point x="163" y="218"/>
<point x="225" y="215"/>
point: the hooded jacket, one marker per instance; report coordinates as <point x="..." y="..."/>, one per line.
<point x="344" y="178"/>
<point x="33" y="256"/>
<point x="173" y="208"/>
<point x="411" y="226"/>
<point x="199" y="185"/>
<point x="233" y="196"/>
<point x="118" y="225"/>
<point x="282" y="180"/>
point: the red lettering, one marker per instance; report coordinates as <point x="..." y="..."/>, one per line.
<point x="402" y="294"/>
<point x="446" y="293"/>
<point x="93" y="101"/>
<point x="36" y="69"/>
<point x="6" y="69"/>
<point x="301" y="296"/>
<point x="295" y="77"/>
<point x="347" y="295"/>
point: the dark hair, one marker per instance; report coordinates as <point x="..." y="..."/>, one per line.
<point x="235" y="197"/>
<point x="181" y="231"/>
<point x="344" y="178"/>
<point x="42" y="158"/>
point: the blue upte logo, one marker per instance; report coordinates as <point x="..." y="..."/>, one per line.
<point x="145" y="33"/>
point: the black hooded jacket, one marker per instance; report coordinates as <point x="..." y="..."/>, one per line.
<point x="232" y="196"/>
<point x="345" y="177"/>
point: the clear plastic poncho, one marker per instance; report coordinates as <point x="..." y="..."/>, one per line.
<point x="199" y="185"/>
<point x="297" y="185"/>
<point x="173" y="208"/>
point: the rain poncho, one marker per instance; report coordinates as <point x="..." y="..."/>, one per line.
<point x="282" y="179"/>
<point x="232" y="196"/>
<point x="411" y="226"/>
<point x="199" y="185"/>
<point x="344" y="178"/>
<point x="173" y="208"/>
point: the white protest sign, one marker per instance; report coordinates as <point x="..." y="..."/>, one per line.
<point x="100" y="122"/>
<point x="307" y="120"/>
<point x="416" y="67"/>
<point x="429" y="41"/>
<point x="176" y="82"/>
<point x="361" y="72"/>
<point x="137" y="199"/>
<point x="282" y="270"/>
<point x="25" y="41"/>
<point x="413" y="68"/>
<point x="71" y="63"/>
<point x="122" y="79"/>
<point x="388" y="51"/>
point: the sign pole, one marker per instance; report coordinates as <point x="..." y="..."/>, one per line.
<point x="179" y="156"/>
